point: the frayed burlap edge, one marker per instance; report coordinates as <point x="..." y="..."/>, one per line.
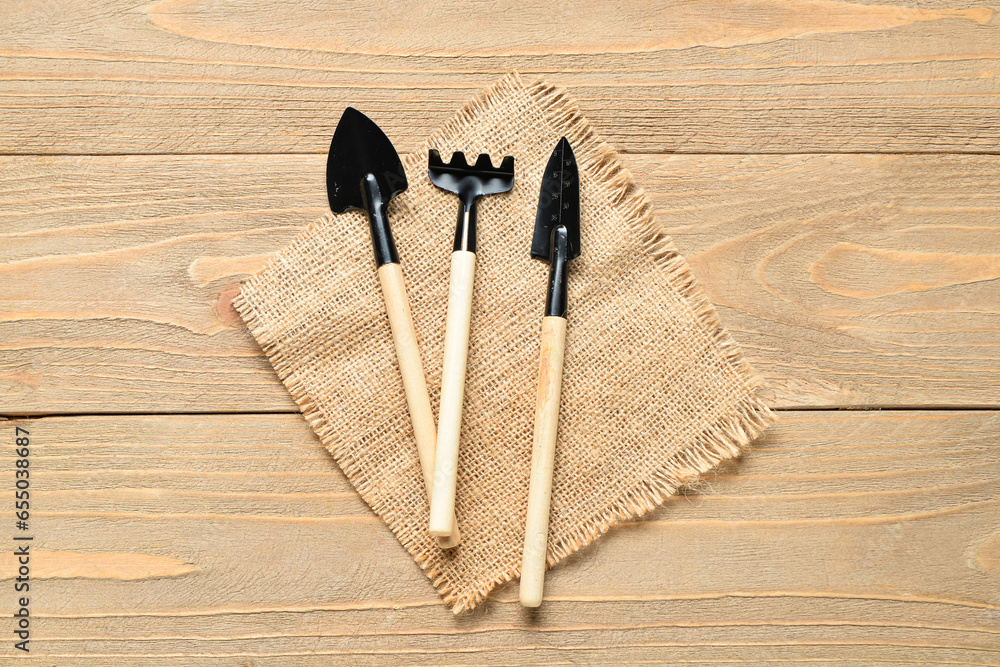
<point x="726" y="439"/>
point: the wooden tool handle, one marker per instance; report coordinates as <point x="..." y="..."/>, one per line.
<point x="456" y="352"/>
<point x="414" y="383"/>
<point x="543" y="452"/>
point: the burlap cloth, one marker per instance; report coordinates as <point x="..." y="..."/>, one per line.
<point x="655" y="390"/>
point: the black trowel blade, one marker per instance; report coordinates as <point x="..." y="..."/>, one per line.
<point x="360" y="148"/>
<point x="558" y="203"/>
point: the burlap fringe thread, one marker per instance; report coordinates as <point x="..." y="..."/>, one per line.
<point x="726" y="440"/>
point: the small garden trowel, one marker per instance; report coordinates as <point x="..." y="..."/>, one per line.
<point x="469" y="183"/>
<point x="364" y="173"/>
<point x="557" y="241"/>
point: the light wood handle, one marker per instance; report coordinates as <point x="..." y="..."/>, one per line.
<point x="418" y="402"/>
<point x="456" y="353"/>
<point x="543" y="452"/>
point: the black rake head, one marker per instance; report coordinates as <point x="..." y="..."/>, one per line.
<point x="470" y="181"/>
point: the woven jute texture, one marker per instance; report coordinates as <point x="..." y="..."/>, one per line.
<point x="655" y="391"/>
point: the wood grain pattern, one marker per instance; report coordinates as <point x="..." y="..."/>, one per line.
<point x="849" y="280"/>
<point x="873" y="277"/>
<point x="851" y="277"/>
<point x="844" y="538"/>
<point x="73" y="565"/>
<point x="413" y="27"/>
<point x="250" y="76"/>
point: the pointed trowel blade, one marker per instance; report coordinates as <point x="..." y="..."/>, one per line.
<point x="360" y="148"/>
<point x="558" y="203"/>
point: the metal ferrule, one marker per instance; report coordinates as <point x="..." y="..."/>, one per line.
<point x="378" y="221"/>
<point x="465" y="230"/>
<point x="555" y="298"/>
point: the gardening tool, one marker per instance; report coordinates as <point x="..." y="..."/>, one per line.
<point x="469" y="183"/>
<point x="364" y="173"/>
<point x="557" y="241"/>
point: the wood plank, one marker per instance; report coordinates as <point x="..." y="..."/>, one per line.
<point x="842" y="538"/>
<point x="250" y="76"/>
<point x="848" y="280"/>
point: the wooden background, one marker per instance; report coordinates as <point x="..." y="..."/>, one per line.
<point x="831" y="170"/>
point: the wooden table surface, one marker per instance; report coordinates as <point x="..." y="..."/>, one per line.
<point x="830" y="169"/>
